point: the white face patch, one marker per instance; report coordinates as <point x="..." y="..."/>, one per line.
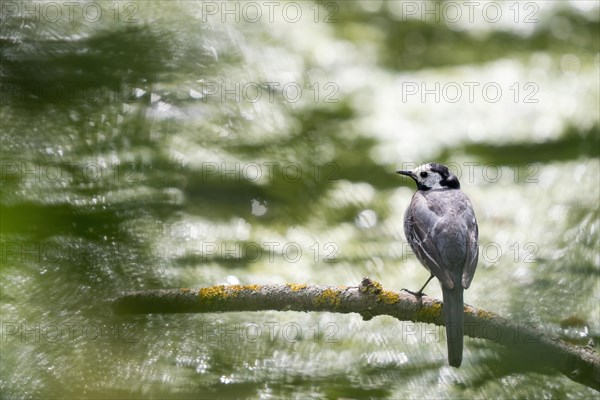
<point x="432" y="180"/>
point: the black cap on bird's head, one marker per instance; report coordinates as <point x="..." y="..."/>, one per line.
<point x="433" y="176"/>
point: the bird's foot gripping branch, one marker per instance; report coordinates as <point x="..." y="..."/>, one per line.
<point x="369" y="299"/>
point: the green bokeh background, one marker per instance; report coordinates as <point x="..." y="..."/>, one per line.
<point x="171" y="144"/>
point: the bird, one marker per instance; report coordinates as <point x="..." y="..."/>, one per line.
<point x="441" y="228"/>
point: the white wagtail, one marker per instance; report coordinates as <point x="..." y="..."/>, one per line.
<point x="441" y="228"/>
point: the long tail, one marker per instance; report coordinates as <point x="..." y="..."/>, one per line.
<point x="453" y="319"/>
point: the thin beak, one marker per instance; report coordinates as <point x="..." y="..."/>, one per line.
<point x="407" y="173"/>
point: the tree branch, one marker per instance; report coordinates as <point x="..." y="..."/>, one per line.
<point x="580" y="364"/>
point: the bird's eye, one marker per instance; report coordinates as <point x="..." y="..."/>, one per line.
<point x="423" y="174"/>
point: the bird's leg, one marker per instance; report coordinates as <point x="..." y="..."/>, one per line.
<point x="420" y="292"/>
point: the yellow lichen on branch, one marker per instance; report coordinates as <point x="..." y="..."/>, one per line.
<point x="388" y="297"/>
<point x="329" y="297"/>
<point x="296" y="287"/>
<point x="368" y="299"/>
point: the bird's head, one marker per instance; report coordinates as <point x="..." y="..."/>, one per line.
<point x="433" y="176"/>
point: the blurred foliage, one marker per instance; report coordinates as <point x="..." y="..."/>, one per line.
<point x="573" y="144"/>
<point x="410" y="41"/>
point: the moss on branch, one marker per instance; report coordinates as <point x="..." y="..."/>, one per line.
<point x="369" y="299"/>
